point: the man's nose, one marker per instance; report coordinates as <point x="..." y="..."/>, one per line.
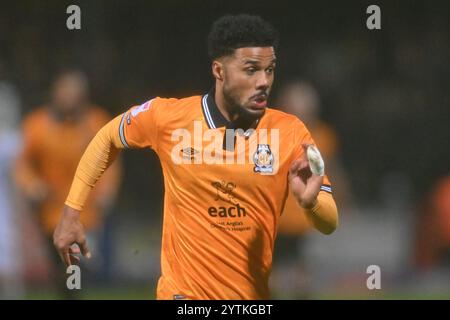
<point x="263" y="81"/>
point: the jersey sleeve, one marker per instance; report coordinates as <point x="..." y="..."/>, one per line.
<point x="301" y="136"/>
<point x="139" y="125"/>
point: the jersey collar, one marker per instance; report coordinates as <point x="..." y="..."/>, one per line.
<point x="214" y="118"/>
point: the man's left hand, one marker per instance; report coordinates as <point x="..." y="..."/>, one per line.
<point x="304" y="184"/>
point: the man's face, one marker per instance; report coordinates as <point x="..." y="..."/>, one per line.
<point x="302" y="100"/>
<point x="248" y="78"/>
<point x="69" y="93"/>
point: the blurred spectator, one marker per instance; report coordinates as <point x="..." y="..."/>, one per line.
<point x="55" y="136"/>
<point x="433" y="227"/>
<point x="10" y="248"/>
<point x="301" y="99"/>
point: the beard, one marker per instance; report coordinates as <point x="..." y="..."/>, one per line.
<point x="238" y="110"/>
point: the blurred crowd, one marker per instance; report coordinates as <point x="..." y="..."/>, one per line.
<point x="376" y="103"/>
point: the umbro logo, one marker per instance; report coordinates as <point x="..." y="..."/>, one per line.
<point x="189" y="152"/>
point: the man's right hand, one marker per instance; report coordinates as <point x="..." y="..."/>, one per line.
<point x="68" y="232"/>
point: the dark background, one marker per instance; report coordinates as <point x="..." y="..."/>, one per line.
<point x="386" y="92"/>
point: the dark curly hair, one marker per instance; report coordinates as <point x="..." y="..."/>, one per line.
<point x="232" y="32"/>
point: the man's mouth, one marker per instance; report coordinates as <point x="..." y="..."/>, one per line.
<point x="260" y="101"/>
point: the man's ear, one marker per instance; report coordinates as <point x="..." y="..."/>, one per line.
<point x="217" y="70"/>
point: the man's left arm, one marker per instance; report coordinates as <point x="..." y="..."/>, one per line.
<point x="312" y="190"/>
<point x="324" y="214"/>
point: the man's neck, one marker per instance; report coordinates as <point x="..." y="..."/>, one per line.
<point x="72" y="116"/>
<point x="223" y="106"/>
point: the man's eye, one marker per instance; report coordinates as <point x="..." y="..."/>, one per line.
<point x="270" y="70"/>
<point x="250" y="71"/>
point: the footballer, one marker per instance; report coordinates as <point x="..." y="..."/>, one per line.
<point x="228" y="163"/>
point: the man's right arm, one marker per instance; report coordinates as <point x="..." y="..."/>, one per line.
<point x="99" y="155"/>
<point x="26" y="175"/>
<point x="137" y="128"/>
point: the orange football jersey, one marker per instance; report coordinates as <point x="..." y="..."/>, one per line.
<point x="221" y="205"/>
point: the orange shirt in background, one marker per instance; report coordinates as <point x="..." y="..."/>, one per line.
<point x="433" y="233"/>
<point x="50" y="154"/>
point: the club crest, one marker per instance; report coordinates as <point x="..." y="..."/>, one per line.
<point x="263" y="159"/>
